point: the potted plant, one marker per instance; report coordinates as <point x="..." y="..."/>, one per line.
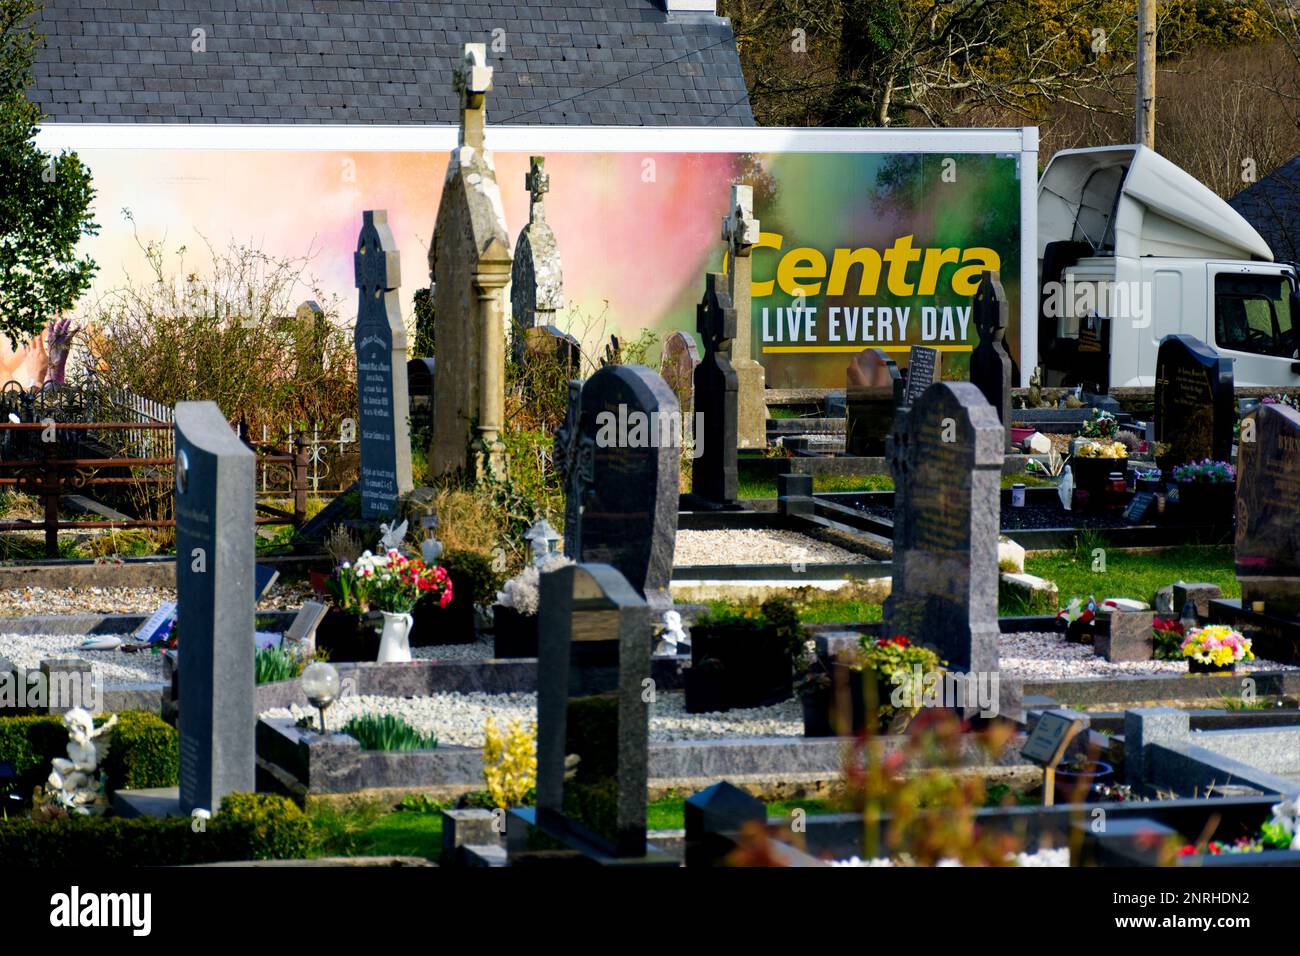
<point x="1093" y="461"/>
<point x="347" y="631"/>
<point x="754" y="650"/>
<point x="514" y="616"/>
<point x="1074" y="781"/>
<point x="897" y="669"/>
<point x="376" y="593"/>
<point x="1215" y="649"/>
<point x="1206" y="489"/>
<point x="1167" y="638"/>
<point x="1079" y="618"/>
<point x="473" y="582"/>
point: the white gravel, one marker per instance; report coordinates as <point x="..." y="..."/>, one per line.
<point x="115" y="668"/>
<point x="457" y="719"/>
<point x="1059" y="857"/>
<point x="748" y="546"/>
<point x="454" y="653"/>
<point x="1049" y="656"/>
<point x="31" y="602"/>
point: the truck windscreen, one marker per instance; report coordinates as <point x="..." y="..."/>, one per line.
<point x="1252" y="313"/>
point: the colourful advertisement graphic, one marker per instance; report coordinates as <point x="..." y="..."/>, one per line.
<point x="885" y="248"/>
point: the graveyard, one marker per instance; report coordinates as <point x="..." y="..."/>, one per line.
<point x="619" y="602"/>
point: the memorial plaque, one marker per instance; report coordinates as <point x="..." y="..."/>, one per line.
<point x="946" y="461"/>
<point x="1268" y="512"/>
<point x="924" y="368"/>
<point x="1052" y="734"/>
<point x="382" y="402"/>
<point x="215" y="606"/>
<point x="1137" y="508"/>
<point x="1194" y="410"/>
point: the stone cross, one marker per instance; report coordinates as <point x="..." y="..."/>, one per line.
<point x="537" y="277"/>
<point x="714" y="476"/>
<point x="470" y="265"/>
<point x="593" y="661"/>
<point x="214" y="607"/>
<point x="740" y="230"/>
<point x="946" y="459"/>
<point x="472" y="80"/>
<point x="382" y="400"/>
<point x="990" y="365"/>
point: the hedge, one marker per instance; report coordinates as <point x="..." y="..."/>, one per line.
<point x="144" y="750"/>
<point x="248" y="827"/>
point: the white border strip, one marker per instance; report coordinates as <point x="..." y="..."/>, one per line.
<point x="593" y="139"/>
<point x="1028" y="254"/>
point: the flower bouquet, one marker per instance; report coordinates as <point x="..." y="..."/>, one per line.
<point x="1215" y="649"/>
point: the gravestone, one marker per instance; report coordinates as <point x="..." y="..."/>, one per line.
<point x="680" y="357"/>
<point x="990" y="365"/>
<point x="311" y="316"/>
<point x="1268" y="512"/>
<point x="924" y="368"/>
<point x="420" y="373"/>
<point x="873" y="389"/>
<point x="469" y="263"/>
<point x="593" y="662"/>
<point x="549" y="344"/>
<point x="946" y="461"/>
<point x="714" y="475"/>
<point x="382" y="401"/>
<point x="619" y="456"/>
<point x="1195" y="410"/>
<point x="536" y="278"/>
<point x="740" y="230"/>
<point x="215" y="606"/>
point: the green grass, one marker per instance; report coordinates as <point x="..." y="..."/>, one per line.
<point x="819" y="610"/>
<point x="1133" y="575"/>
<point x="366" y="829"/>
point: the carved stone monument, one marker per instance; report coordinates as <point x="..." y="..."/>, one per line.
<point x="536" y="280"/>
<point x="740" y="230"/>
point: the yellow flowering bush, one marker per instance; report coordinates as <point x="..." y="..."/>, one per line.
<point x="1101" y="449"/>
<point x="509" y="762"/>
<point x="1217" y="645"/>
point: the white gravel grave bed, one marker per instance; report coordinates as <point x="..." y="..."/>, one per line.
<point x="1047" y="655"/>
<point x="115" y="668"/>
<point x="1057" y="857"/>
<point x="750" y="546"/>
<point x="457" y="719"/>
<point x="33" y="602"/>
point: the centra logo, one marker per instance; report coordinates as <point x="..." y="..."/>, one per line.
<point x="76" y="909"/>
<point x="802" y="271"/>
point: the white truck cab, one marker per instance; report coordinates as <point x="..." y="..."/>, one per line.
<point x="1130" y="249"/>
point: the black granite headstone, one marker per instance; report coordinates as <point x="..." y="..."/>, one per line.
<point x="873" y="389"/>
<point x="714" y="475"/>
<point x="215" y="606"/>
<point x="592" y="669"/>
<point x="1195" y="410"/>
<point x="924" y="368"/>
<point x="946" y="460"/>
<point x="1268" y="512"/>
<point x="382" y="401"/>
<point x="990" y="365"/>
<point x="620" y="454"/>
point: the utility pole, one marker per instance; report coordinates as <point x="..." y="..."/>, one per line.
<point x="1146" y="74"/>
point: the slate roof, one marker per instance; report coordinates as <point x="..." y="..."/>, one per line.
<point x="574" y="62"/>
<point x="1272" y="206"/>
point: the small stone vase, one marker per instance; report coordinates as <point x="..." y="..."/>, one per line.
<point x="394" y="639"/>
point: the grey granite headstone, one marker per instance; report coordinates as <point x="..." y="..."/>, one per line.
<point x="214" y="615"/>
<point x="382" y="402"/>
<point x="593" y="662"/>
<point x="990" y="365"/>
<point x="1268" y="512"/>
<point x="714" y="475"/>
<point x="620" y="454"/>
<point x="536" y="278"/>
<point x="1195" y="410"/>
<point x="946" y="460"/>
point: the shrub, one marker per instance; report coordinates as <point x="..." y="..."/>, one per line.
<point x="509" y="762"/>
<point x="247" y="827"/>
<point x="387" y="732"/>
<point x="472" y="576"/>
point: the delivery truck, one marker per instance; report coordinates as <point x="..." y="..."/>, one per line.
<point x="1132" y="248"/>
